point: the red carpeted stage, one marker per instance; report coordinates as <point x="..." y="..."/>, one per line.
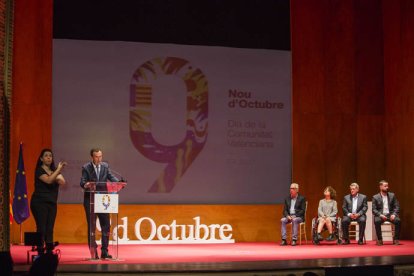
<point x="226" y="257"/>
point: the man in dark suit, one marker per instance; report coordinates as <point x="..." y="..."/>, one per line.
<point x="354" y="207"/>
<point x="96" y="171"/>
<point x="385" y="207"/>
<point x="293" y="212"/>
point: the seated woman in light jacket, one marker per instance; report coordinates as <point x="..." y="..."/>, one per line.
<point x="327" y="211"/>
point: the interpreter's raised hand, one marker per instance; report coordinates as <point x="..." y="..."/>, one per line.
<point x="61" y="165"/>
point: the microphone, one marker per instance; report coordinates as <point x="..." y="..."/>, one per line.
<point x="121" y="179"/>
<point x="118" y="175"/>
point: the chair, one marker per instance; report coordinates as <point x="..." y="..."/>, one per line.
<point x="337" y="230"/>
<point x="388" y="231"/>
<point x="354" y="231"/>
<point x="302" y="232"/>
<point x="302" y="228"/>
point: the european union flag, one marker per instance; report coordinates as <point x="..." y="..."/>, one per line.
<point x="20" y="200"/>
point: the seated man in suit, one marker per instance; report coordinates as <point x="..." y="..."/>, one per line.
<point x="354" y="207"/>
<point x="293" y="212"/>
<point x="385" y="207"/>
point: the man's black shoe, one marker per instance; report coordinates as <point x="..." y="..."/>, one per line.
<point x="293" y="243"/>
<point x="345" y="242"/>
<point x="360" y="242"/>
<point x="283" y="243"/>
<point x="94" y="254"/>
<point x="379" y="242"/>
<point x="105" y="255"/>
<point x="396" y="242"/>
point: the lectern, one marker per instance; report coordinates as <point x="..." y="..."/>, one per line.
<point x="103" y="198"/>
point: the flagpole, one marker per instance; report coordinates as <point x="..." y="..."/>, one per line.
<point x="21" y="234"/>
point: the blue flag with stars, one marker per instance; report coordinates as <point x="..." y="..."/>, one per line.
<point x="20" y="199"/>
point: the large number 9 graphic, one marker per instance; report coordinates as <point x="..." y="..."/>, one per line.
<point x="177" y="157"/>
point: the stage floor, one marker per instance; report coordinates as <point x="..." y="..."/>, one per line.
<point x="236" y="257"/>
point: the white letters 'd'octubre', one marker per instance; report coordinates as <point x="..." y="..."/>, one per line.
<point x="173" y="233"/>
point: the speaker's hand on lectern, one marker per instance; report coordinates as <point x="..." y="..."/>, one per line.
<point x="87" y="185"/>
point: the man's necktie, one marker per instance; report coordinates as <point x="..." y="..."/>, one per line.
<point x="97" y="173"/>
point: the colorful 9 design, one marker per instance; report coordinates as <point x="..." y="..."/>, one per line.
<point x="177" y="157"/>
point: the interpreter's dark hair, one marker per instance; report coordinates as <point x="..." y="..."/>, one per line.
<point x="331" y="191"/>
<point x="94" y="150"/>
<point x="40" y="163"/>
